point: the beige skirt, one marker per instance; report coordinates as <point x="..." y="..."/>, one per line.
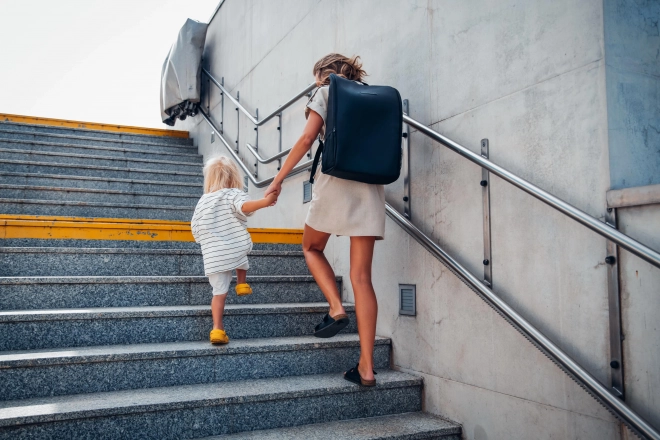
<point x="346" y="207"/>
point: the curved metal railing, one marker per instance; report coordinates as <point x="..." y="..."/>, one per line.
<point x="592" y="385"/>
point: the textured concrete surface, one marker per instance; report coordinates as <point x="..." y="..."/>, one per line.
<point x="30" y="293"/>
<point x="37" y="329"/>
<point x="49" y="261"/>
<point x="410" y="426"/>
<point x="209" y="409"/>
<point x="30" y="374"/>
<point x="632" y="54"/>
<point x="640" y="304"/>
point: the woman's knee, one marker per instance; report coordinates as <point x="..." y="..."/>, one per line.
<point x="361" y="278"/>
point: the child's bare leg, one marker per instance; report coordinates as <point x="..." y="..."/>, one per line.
<point x="240" y="276"/>
<point x="217" y="310"/>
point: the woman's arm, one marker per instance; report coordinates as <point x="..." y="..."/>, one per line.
<point x="301" y="147"/>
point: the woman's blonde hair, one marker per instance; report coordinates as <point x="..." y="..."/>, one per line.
<point x="219" y="173"/>
<point x="349" y="68"/>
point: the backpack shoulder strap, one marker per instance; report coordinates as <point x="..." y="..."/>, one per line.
<point x="315" y="164"/>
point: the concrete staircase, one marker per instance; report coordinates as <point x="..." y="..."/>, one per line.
<point x="109" y="339"/>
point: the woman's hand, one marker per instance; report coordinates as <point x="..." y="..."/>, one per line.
<point x="300" y="148"/>
<point x="274" y="187"/>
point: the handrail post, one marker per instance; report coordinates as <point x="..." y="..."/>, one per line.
<point x="256" y="145"/>
<point x="405" y="163"/>
<point x="614" y="306"/>
<point x="238" y="120"/>
<point x="222" y="107"/>
<point x="485" y="196"/>
<point x="279" y="148"/>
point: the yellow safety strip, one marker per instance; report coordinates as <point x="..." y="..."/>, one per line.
<point x="93" y="126"/>
<point x="85" y="228"/>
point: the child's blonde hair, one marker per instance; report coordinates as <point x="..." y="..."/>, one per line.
<point x="219" y="173"/>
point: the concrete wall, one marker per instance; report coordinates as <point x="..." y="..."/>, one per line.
<point x="640" y="303"/>
<point x="531" y="77"/>
<point x="632" y="54"/>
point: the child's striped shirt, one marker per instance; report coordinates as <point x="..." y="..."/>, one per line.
<point x="220" y="227"/>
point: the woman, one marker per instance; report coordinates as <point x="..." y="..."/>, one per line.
<point x="341" y="207"/>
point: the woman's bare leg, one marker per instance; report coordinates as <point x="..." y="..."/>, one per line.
<point x="313" y="245"/>
<point x="366" y="305"/>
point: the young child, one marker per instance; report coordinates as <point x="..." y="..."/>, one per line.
<point x="219" y="225"/>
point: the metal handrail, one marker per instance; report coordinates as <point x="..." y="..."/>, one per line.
<point x="252" y="118"/>
<point x="534" y="335"/>
<point x="258" y="183"/>
<point x="260" y="159"/>
<point x="603" y="229"/>
<point x="592" y="385"/>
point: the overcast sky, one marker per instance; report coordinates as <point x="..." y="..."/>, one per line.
<point x="89" y="60"/>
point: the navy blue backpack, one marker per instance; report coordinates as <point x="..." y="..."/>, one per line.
<point x="362" y="133"/>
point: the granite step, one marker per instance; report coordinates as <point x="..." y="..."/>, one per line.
<point x="48" y="261"/>
<point x="132" y="244"/>
<point x="96" y="209"/>
<point x="12" y="191"/>
<point x="29" y="374"/>
<point x="100" y="160"/>
<point x="99" y="183"/>
<point x="59" y="328"/>
<point x="38" y="293"/>
<point x="68" y="145"/>
<point x="191" y="411"/>
<point x="100" y="135"/>
<point x="70" y="169"/>
<point x="407" y="426"/>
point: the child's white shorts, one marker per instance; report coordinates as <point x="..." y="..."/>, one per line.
<point x="221" y="280"/>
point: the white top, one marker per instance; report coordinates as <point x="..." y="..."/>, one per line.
<point x="341" y="206"/>
<point x="220" y="227"/>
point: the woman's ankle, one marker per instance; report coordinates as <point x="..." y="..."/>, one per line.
<point x="337" y="310"/>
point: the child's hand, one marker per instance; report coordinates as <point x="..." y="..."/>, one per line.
<point x="272" y="198"/>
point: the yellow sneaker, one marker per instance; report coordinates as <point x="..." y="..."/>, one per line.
<point x="218" y="336"/>
<point x="243" y="289"/>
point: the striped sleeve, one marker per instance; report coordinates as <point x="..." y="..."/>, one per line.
<point x="239" y="197"/>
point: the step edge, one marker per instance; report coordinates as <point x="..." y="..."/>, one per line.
<point x="158" y="279"/>
<point x="102" y="168"/>
<point x="319" y="389"/>
<point x="94" y="190"/>
<point x="52" y="357"/>
<point x="95" y="157"/>
<point x="100" y="179"/>
<point x="97" y="204"/>
<point x="132" y="251"/>
<point x="130" y="130"/>
<point x="95" y="147"/>
<point x="113" y="313"/>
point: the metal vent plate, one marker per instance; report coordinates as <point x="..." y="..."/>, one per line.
<point x="407" y="299"/>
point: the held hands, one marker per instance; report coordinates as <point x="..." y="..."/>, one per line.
<point x="273" y="192"/>
<point x="271" y="198"/>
